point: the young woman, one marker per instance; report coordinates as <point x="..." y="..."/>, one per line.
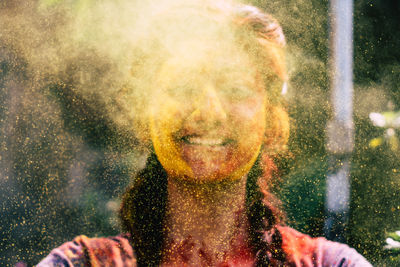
<point x="215" y="122"/>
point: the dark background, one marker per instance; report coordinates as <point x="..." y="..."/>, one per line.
<point x="62" y="172"/>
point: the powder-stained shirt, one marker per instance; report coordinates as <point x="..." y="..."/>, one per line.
<point x="300" y="249"/>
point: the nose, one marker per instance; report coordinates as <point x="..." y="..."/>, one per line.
<point x="208" y="107"/>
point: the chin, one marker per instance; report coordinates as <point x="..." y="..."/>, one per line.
<point x="205" y="178"/>
<point x="213" y="174"/>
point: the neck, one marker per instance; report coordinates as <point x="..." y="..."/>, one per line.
<point x="208" y="218"/>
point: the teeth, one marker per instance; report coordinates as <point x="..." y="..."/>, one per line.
<point x="204" y="141"/>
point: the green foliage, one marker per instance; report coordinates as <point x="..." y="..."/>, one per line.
<point x="375" y="199"/>
<point x="302" y="193"/>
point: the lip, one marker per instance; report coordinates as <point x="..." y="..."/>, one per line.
<point x="205" y="141"/>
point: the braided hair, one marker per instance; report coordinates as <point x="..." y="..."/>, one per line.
<point x="263" y="214"/>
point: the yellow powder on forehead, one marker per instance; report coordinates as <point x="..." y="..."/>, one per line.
<point x="195" y="59"/>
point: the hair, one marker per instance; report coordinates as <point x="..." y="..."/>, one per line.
<point x="144" y="203"/>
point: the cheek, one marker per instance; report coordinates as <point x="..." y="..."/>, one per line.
<point x="163" y="124"/>
<point x="250" y="124"/>
<point x="165" y="121"/>
<point x="248" y="109"/>
<point x="168" y="115"/>
<point x="249" y="118"/>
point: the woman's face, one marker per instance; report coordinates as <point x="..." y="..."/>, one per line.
<point x="208" y="116"/>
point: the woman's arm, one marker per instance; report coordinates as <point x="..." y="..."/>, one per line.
<point x="337" y="254"/>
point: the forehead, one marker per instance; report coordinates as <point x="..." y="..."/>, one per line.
<point x="198" y="60"/>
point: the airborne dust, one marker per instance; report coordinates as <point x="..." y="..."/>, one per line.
<point x="72" y="111"/>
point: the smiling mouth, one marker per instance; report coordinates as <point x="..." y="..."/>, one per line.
<point x="205" y="141"/>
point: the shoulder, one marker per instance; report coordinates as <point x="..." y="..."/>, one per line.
<point x="303" y="250"/>
<point x="84" y="251"/>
